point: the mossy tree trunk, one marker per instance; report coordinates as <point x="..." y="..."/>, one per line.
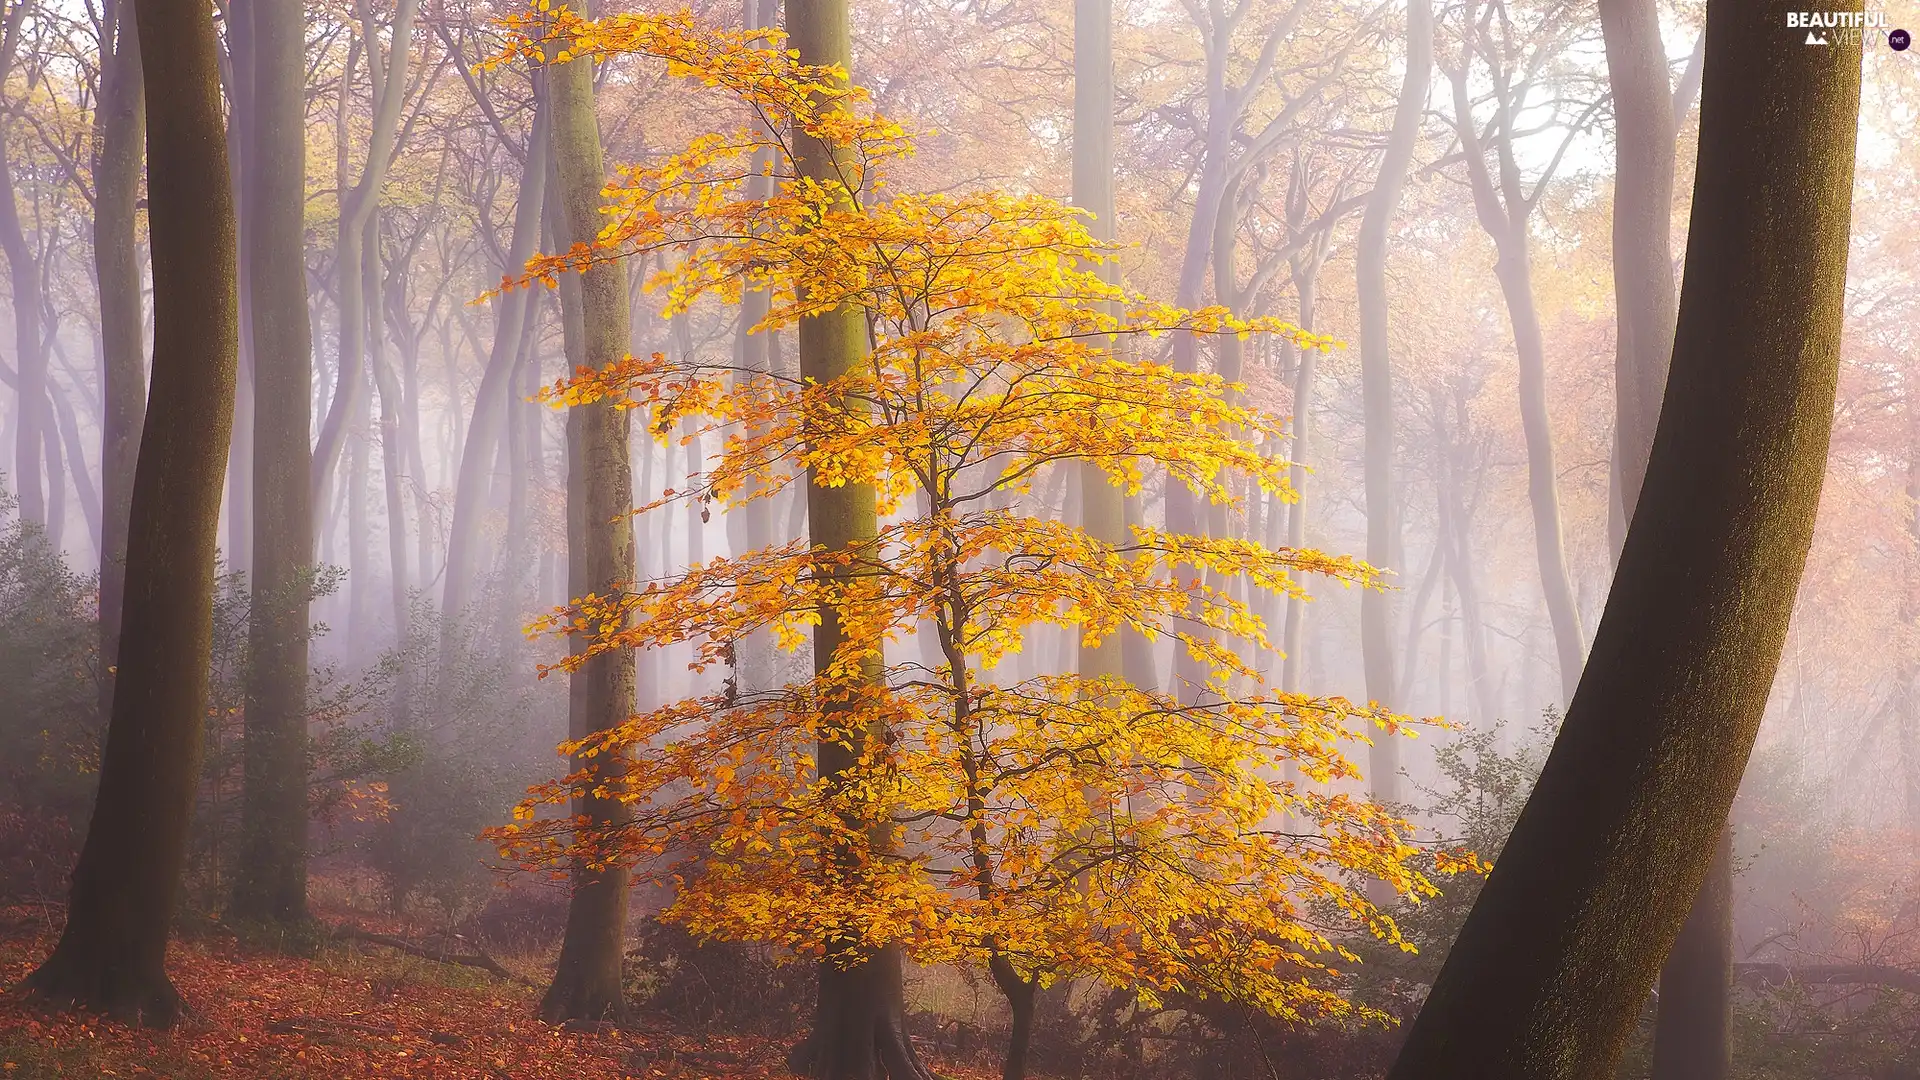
<point x="859" y="1029"/>
<point x="600" y="552"/>
<point x="1690" y="1033"/>
<point x="271" y="885"/>
<point x="111" y="955"/>
<point x="1562" y="947"/>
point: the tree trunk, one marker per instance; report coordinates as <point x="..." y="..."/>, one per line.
<point x="1022" y="995"/>
<point x="490" y="405"/>
<point x="1376" y="382"/>
<point x="1543" y="482"/>
<point x="272" y="882"/>
<point x="586" y="985"/>
<point x="1562" y="947"/>
<point x="393" y="465"/>
<point x="359" y="541"/>
<point x="1691" y="1030"/>
<point x="1690" y="1033"/>
<point x="116" y="260"/>
<point x="1642" y="222"/>
<point x="1102" y="505"/>
<point x="750" y="526"/>
<point x="24" y="274"/>
<point x="111" y="955"/>
<point x="389" y="87"/>
<point x="76" y="453"/>
<point x="859" y="1028"/>
<point x="1293" y="635"/>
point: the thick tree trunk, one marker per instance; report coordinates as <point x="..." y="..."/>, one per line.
<point x="1562" y="947"/>
<point x="116" y="261"/>
<point x="1376" y="382"/>
<point x="272" y="882"/>
<point x="859" y="1029"/>
<point x="586" y="985"/>
<point x="1690" y="1033"/>
<point x="111" y="955"/>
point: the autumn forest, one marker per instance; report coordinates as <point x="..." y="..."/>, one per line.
<point x="911" y="539"/>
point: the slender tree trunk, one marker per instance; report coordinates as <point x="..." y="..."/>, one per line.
<point x="24" y="274"/>
<point x="356" y="205"/>
<point x="586" y="984"/>
<point x="359" y="539"/>
<point x="859" y="1028"/>
<point x="750" y="525"/>
<point x="116" y="260"/>
<point x="1022" y="995"/>
<point x="271" y="885"/>
<point x="1543" y="482"/>
<point x="76" y="453"/>
<point x="490" y="406"/>
<point x="1293" y="635"/>
<point x="56" y="468"/>
<point x="392" y="450"/>
<point x="1376" y="381"/>
<point x="111" y="955"/>
<point x="1562" y="947"/>
<point x="1642" y="223"/>
<point x="1103" y="504"/>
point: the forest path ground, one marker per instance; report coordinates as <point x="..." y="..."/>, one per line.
<point x="350" y="1012"/>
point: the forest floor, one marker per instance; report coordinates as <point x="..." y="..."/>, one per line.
<point x="351" y="1011"/>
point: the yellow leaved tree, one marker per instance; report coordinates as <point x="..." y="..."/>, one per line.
<point x="1044" y="828"/>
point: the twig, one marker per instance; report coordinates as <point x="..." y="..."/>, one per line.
<point x="475" y="959"/>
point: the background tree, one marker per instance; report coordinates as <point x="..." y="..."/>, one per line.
<point x="1590" y="891"/>
<point x="122" y="125"/>
<point x="272" y="883"/>
<point x="111" y="956"/>
<point x="600" y="547"/>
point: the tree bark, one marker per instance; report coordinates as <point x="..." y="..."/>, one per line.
<point x="1376" y="382"/>
<point x="111" y="955"/>
<point x="1102" y="505"/>
<point x="859" y="1028"/>
<point x="272" y="882"/>
<point x="586" y="985"/>
<point x="1691" y="1033"/>
<point x="1562" y="947"/>
<point x="23" y="272"/>
<point x="116" y="261"/>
